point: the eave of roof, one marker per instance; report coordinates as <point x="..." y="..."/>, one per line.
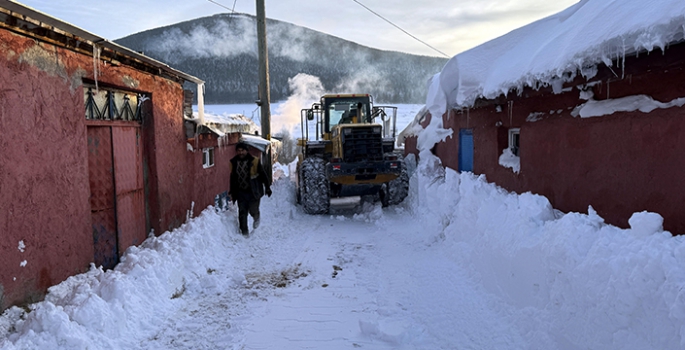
<point x="53" y="23"/>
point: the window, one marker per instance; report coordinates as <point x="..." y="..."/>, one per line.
<point x="208" y="157"/>
<point x="514" y="136"/>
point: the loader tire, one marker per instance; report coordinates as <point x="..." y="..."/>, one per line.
<point x="298" y="187"/>
<point x="395" y="191"/>
<point x="314" y="186"/>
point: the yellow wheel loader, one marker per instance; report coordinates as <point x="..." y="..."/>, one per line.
<point x="348" y="150"/>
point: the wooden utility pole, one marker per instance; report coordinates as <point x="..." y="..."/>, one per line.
<point x="264" y="90"/>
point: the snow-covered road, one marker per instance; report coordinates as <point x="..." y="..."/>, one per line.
<point x="461" y="264"/>
<point x="370" y="279"/>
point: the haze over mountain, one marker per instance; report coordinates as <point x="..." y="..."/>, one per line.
<point x="222" y="50"/>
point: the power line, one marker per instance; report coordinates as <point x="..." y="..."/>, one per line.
<point x="396" y="26"/>
<point x="218" y="4"/>
<point x="368" y="9"/>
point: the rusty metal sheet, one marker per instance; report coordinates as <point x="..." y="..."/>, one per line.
<point x="128" y="170"/>
<point x="105" y="239"/>
<point x="102" y="196"/>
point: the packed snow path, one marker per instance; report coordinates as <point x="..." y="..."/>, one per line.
<point x="371" y="281"/>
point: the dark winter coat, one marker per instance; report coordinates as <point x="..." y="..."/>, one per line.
<point x="258" y="180"/>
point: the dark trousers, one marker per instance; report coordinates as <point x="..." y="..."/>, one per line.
<point x="246" y="206"/>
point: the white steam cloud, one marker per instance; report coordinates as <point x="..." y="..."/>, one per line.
<point x="306" y="89"/>
<point x="229" y="37"/>
<point x="362" y="80"/>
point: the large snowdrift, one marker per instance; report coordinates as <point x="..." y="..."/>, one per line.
<point x="573" y="281"/>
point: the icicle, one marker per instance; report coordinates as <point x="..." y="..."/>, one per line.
<point x="96" y="65"/>
<point x="623" y="64"/>
<point x="201" y="103"/>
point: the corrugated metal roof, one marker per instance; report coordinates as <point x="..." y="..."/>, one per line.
<point x="36" y="15"/>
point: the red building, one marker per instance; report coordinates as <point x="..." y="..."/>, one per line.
<point x="613" y="139"/>
<point x="94" y="153"/>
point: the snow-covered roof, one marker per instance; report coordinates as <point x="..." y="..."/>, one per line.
<point x="413" y="128"/>
<point x="574" y="40"/>
<point x="228" y="123"/>
<point x="256" y="142"/>
<point x="47" y="21"/>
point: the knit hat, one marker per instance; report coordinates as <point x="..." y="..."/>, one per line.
<point x="241" y="145"/>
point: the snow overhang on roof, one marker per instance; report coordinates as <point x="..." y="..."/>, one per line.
<point x="208" y="129"/>
<point x="413" y="128"/>
<point x="256" y="142"/>
<point x="54" y="24"/>
<point x="226" y="123"/>
<point x="556" y="49"/>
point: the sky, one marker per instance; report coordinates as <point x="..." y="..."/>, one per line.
<point x="460" y="264"/>
<point x="448" y="26"/>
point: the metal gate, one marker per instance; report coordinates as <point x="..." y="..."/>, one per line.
<point x="117" y="194"/>
<point x="102" y="196"/>
<point x="128" y="179"/>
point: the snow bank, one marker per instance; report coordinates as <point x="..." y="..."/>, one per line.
<point x="552" y="50"/>
<point x="114" y="307"/>
<point x="587" y="284"/>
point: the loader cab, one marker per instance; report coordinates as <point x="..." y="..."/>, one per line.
<point x="345" y="109"/>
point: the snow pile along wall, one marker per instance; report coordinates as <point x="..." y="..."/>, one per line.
<point x="597" y="285"/>
<point x="113" y="308"/>
<point x="552" y="50"/>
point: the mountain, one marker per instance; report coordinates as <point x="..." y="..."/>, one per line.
<point x="222" y="50"/>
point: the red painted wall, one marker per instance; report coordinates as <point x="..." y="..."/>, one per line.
<point x="44" y="162"/>
<point x="209" y="182"/>
<point x="43" y="165"/>
<point x="620" y="164"/>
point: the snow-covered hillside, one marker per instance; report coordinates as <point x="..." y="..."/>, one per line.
<point x="222" y="50"/>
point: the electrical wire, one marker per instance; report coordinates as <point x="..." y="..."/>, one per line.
<point x="218" y="4"/>
<point x="398" y="27"/>
<point x="368" y="9"/>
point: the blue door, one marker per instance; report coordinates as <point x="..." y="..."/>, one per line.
<point x="466" y="150"/>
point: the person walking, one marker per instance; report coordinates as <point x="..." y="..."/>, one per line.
<point x="249" y="183"/>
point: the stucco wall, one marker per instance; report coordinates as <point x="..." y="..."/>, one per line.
<point x="44" y="162"/>
<point x="43" y="165"/>
<point x="210" y="182"/>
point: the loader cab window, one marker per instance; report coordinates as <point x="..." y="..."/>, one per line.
<point x="347" y="112"/>
<point x="336" y="112"/>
